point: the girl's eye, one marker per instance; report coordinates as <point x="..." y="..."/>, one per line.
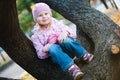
<point x="46" y="13"/>
<point x="40" y="15"/>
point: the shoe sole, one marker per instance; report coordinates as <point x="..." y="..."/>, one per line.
<point x="79" y="75"/>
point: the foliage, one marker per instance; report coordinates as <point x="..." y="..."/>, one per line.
<point x="23" y="4"/>
<point x="56" y="15"/>
<point x="24" y="14"/>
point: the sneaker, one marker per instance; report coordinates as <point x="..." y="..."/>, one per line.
<point x="87" y="57"/>
<point x="75" y="72"/>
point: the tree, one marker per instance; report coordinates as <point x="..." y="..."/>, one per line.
<point x="96" y="32"/>
<point x="105" y="4"/>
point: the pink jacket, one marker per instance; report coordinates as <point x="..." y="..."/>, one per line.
<point x="41" y="37"/>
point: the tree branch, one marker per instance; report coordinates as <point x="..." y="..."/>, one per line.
<point x="115" y="49"/>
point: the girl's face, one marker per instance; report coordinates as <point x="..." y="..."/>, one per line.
<point x="44" y="18"/>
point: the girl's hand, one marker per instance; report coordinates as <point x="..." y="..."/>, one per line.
<point x="62" y="37"/>
<point x="46" y="47"/>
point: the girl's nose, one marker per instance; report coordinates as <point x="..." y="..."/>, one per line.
<point x="44" y="15"/>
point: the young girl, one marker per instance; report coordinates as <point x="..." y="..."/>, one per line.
<point x="52" y="38"/>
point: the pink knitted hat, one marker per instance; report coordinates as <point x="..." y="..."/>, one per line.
<point x="38" y="7"/>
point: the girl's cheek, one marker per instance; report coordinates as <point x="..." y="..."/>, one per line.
<point x="39" y="20"/>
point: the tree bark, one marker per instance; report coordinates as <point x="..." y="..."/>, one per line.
<point x="95" y="32"/>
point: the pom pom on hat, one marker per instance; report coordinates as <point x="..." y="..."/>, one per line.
<point x="39" y="7"/>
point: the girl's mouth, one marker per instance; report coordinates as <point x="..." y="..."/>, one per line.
<point x="44" y="20"/>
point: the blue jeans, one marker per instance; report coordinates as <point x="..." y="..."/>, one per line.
<point x="62" y="53"/>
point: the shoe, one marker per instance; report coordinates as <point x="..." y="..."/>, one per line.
<point x="87" y="57"/>
<point x="79" y="76"/>
<point x="75" y="72"/>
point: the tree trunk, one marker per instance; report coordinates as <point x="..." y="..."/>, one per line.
<point x="95" y="31"/>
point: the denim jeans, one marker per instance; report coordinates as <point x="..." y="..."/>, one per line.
<point x="63" y="53"/>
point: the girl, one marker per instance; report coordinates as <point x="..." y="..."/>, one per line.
<point x="52" y="38"/>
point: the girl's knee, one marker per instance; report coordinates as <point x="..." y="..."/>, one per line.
<point x="68" y="40"/>
<point x="53" y="48"/>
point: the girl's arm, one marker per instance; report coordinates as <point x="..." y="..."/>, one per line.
<point x="39" y="47"/>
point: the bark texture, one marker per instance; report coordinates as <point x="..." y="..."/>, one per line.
<point x="95" y="32"/>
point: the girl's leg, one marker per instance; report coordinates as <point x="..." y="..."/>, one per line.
<point x="73" y="48"/>
<point x="66" y="63"/>
<point x="60" y="57"/>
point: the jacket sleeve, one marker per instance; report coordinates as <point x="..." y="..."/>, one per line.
<point x="38" y="46"/>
